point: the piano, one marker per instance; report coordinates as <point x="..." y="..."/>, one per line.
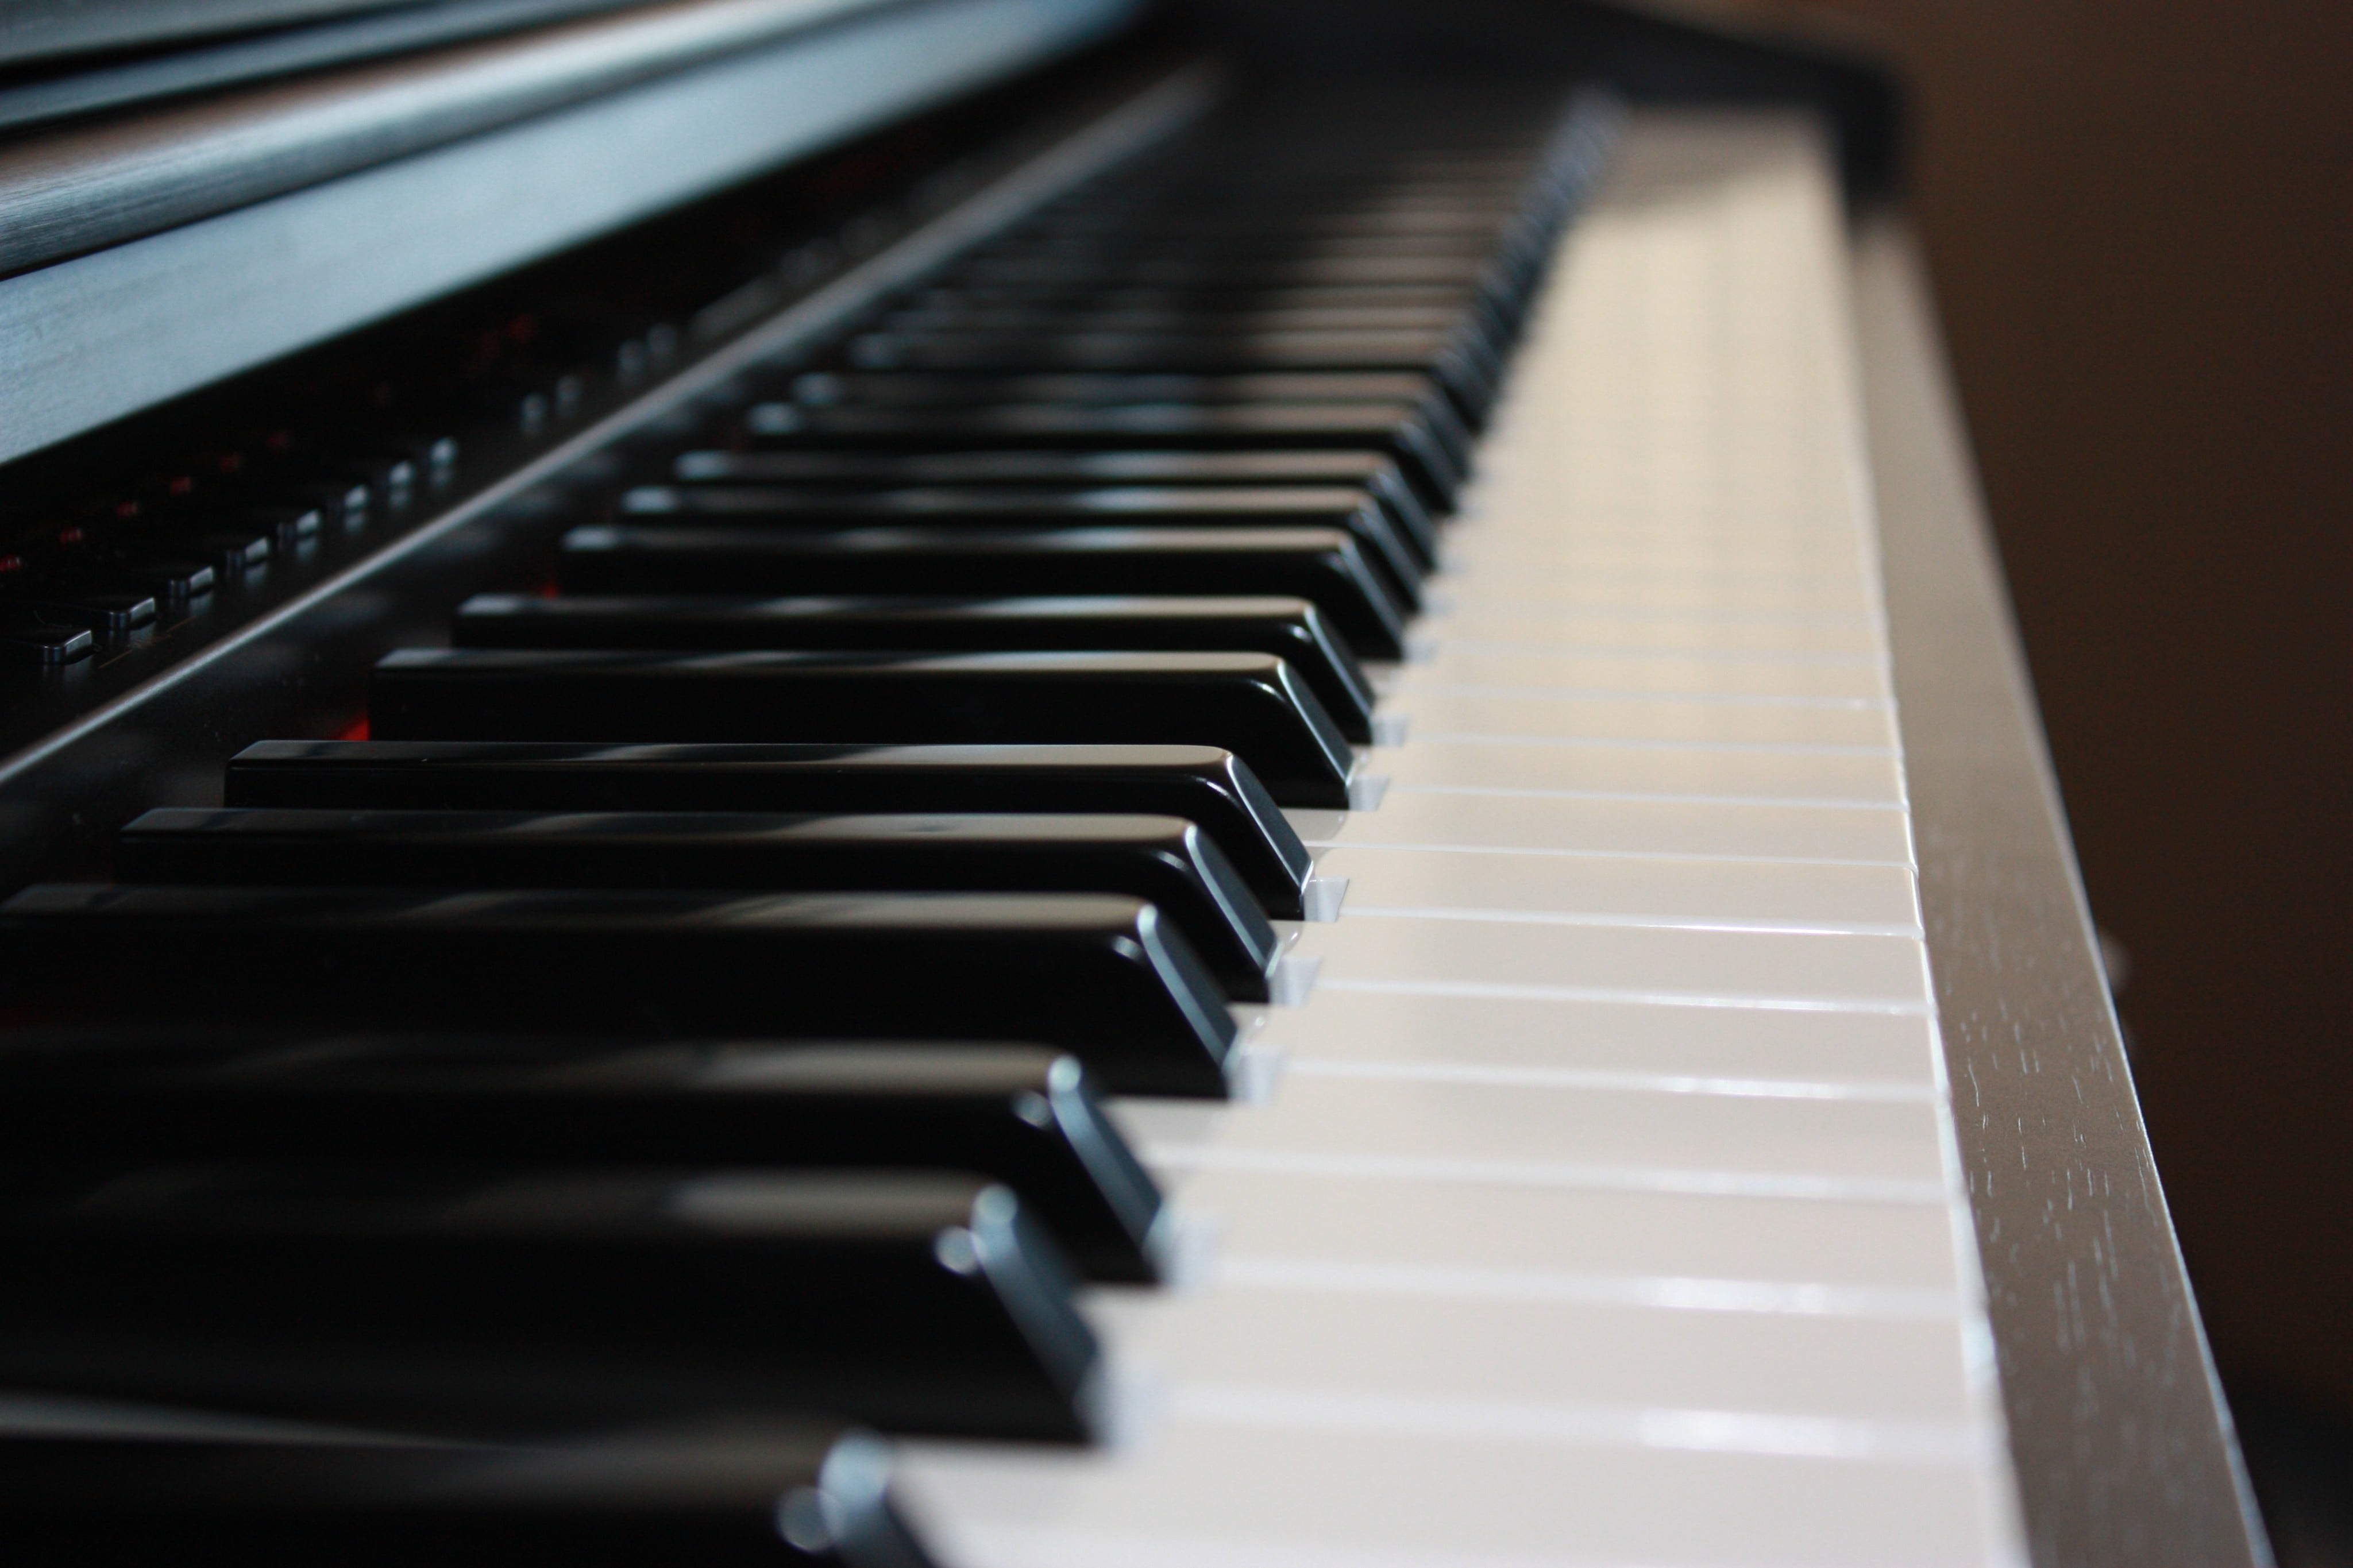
<point x="1030" y="783"/>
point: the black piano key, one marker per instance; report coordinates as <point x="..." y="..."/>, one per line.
<point x="1204" y="303"/>
<point x="1291" y="629"/>
<point x="345" y="505"/>
<point x="1262" y="245"/>
<point x="32" y="636"/>
<point x="112" y="611"/>
<point x="1363" y="470"/>
<point x="373" y="1294"/>
<point x="1017" y="1115"/>
<point x="1165" y="860"/>
<point x="1235" y="272"/>
<point x="288" y="526"/>
<point x="760" y="1493"/>
<point x="905" y="389"/>
<point x="1175" y="317"/>
<point x="1322" y="565"/>
<point x="1102" y="977"/>
<point x="231" y="549"/>
<point x="175" y="577"/>
<point x="1251" y="704"/>
<point x="1201" y="785"/>
<point x="1396" y="429"/>
<point x="1355" y="512"/>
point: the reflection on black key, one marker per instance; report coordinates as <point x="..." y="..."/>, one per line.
<point x="1251" y="704"/>
<point x="1178" y="316"/>
<point x="112" y="611"/>
<point x="29" y="635"/>
<point x="1355" y="512"/>
<point x="1102" y="977"/>
<point x="1202" y="785"/>
<point x="1323" y="566"/>
<point x="1399" y="430"/>
<point x="1164" y="860"/>
<point x="1363" y="470"/>
<point x="898" y="389"/>
<point x="1017" y="1115"/>
<point x="173" y="578"/>
<point x="1457" y="361"/>
<point x="1291" y="629"/>
<point x="366" y="1293"/>
<point x="743" y="1494"/>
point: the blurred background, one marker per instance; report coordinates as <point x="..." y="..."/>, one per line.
<point x="2140" y="217"/>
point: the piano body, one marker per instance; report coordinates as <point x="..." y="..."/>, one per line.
<point x="1257" y="769"/>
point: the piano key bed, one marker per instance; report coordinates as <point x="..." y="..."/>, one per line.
<point x="1242" y="869"/>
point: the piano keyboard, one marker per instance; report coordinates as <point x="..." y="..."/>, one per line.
<point x="1604" y="1210"/>
<point x="1469" y="1028"/>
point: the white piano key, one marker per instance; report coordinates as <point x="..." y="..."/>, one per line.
<point x="1733" y="1045"/>
<point x="1368" y="1485"/>
<point x="1514" y="1135"/>
<point x="1474" y="817"/>
<point x="1626" y="889"/>
<point x="1640" y="718"/>
<point x="1529" y="1346"/>
<point x="1614" y="627"/>
<point x="1711" y="774"/>
<point x="1470" y="580"/>
<point x="1457" y="662"/>
<point x="1692" y="1252"/>
<point x="1740" y="969"/>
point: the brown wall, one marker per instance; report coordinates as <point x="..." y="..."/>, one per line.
<point x="2140" y="221"/>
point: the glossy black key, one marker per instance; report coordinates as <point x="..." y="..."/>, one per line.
<point x="1291" y="629"/>
<point x="1363" y="470"/>
<point x="1439" y="414"/>
<point x="112" y="611"/>
<point x="1398" y="430"/>
<point x="174" y="578"/>
<point x="1234" y="272"/>
<point x="1202" y="785"/>
<point x="360" y="1293"/>
<point x="1483" y="319"/>
<point x="1164" y="860"/>
<point x="1102" y="977"/>
<point x="230" y="550"/>
<point x="1254" y="705"/>
<point x="1355" y="512"/>
<point x="1204" y="303"/>
<point x="1177" y="317"/>
<point x="30" y="635"/>
<point x="744" y="1494"/>
<point x="1017" y="1115"/>
<point x="1322" y="565"/>
<point x="900" y="389"/>
<point x="343" y="505"/>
